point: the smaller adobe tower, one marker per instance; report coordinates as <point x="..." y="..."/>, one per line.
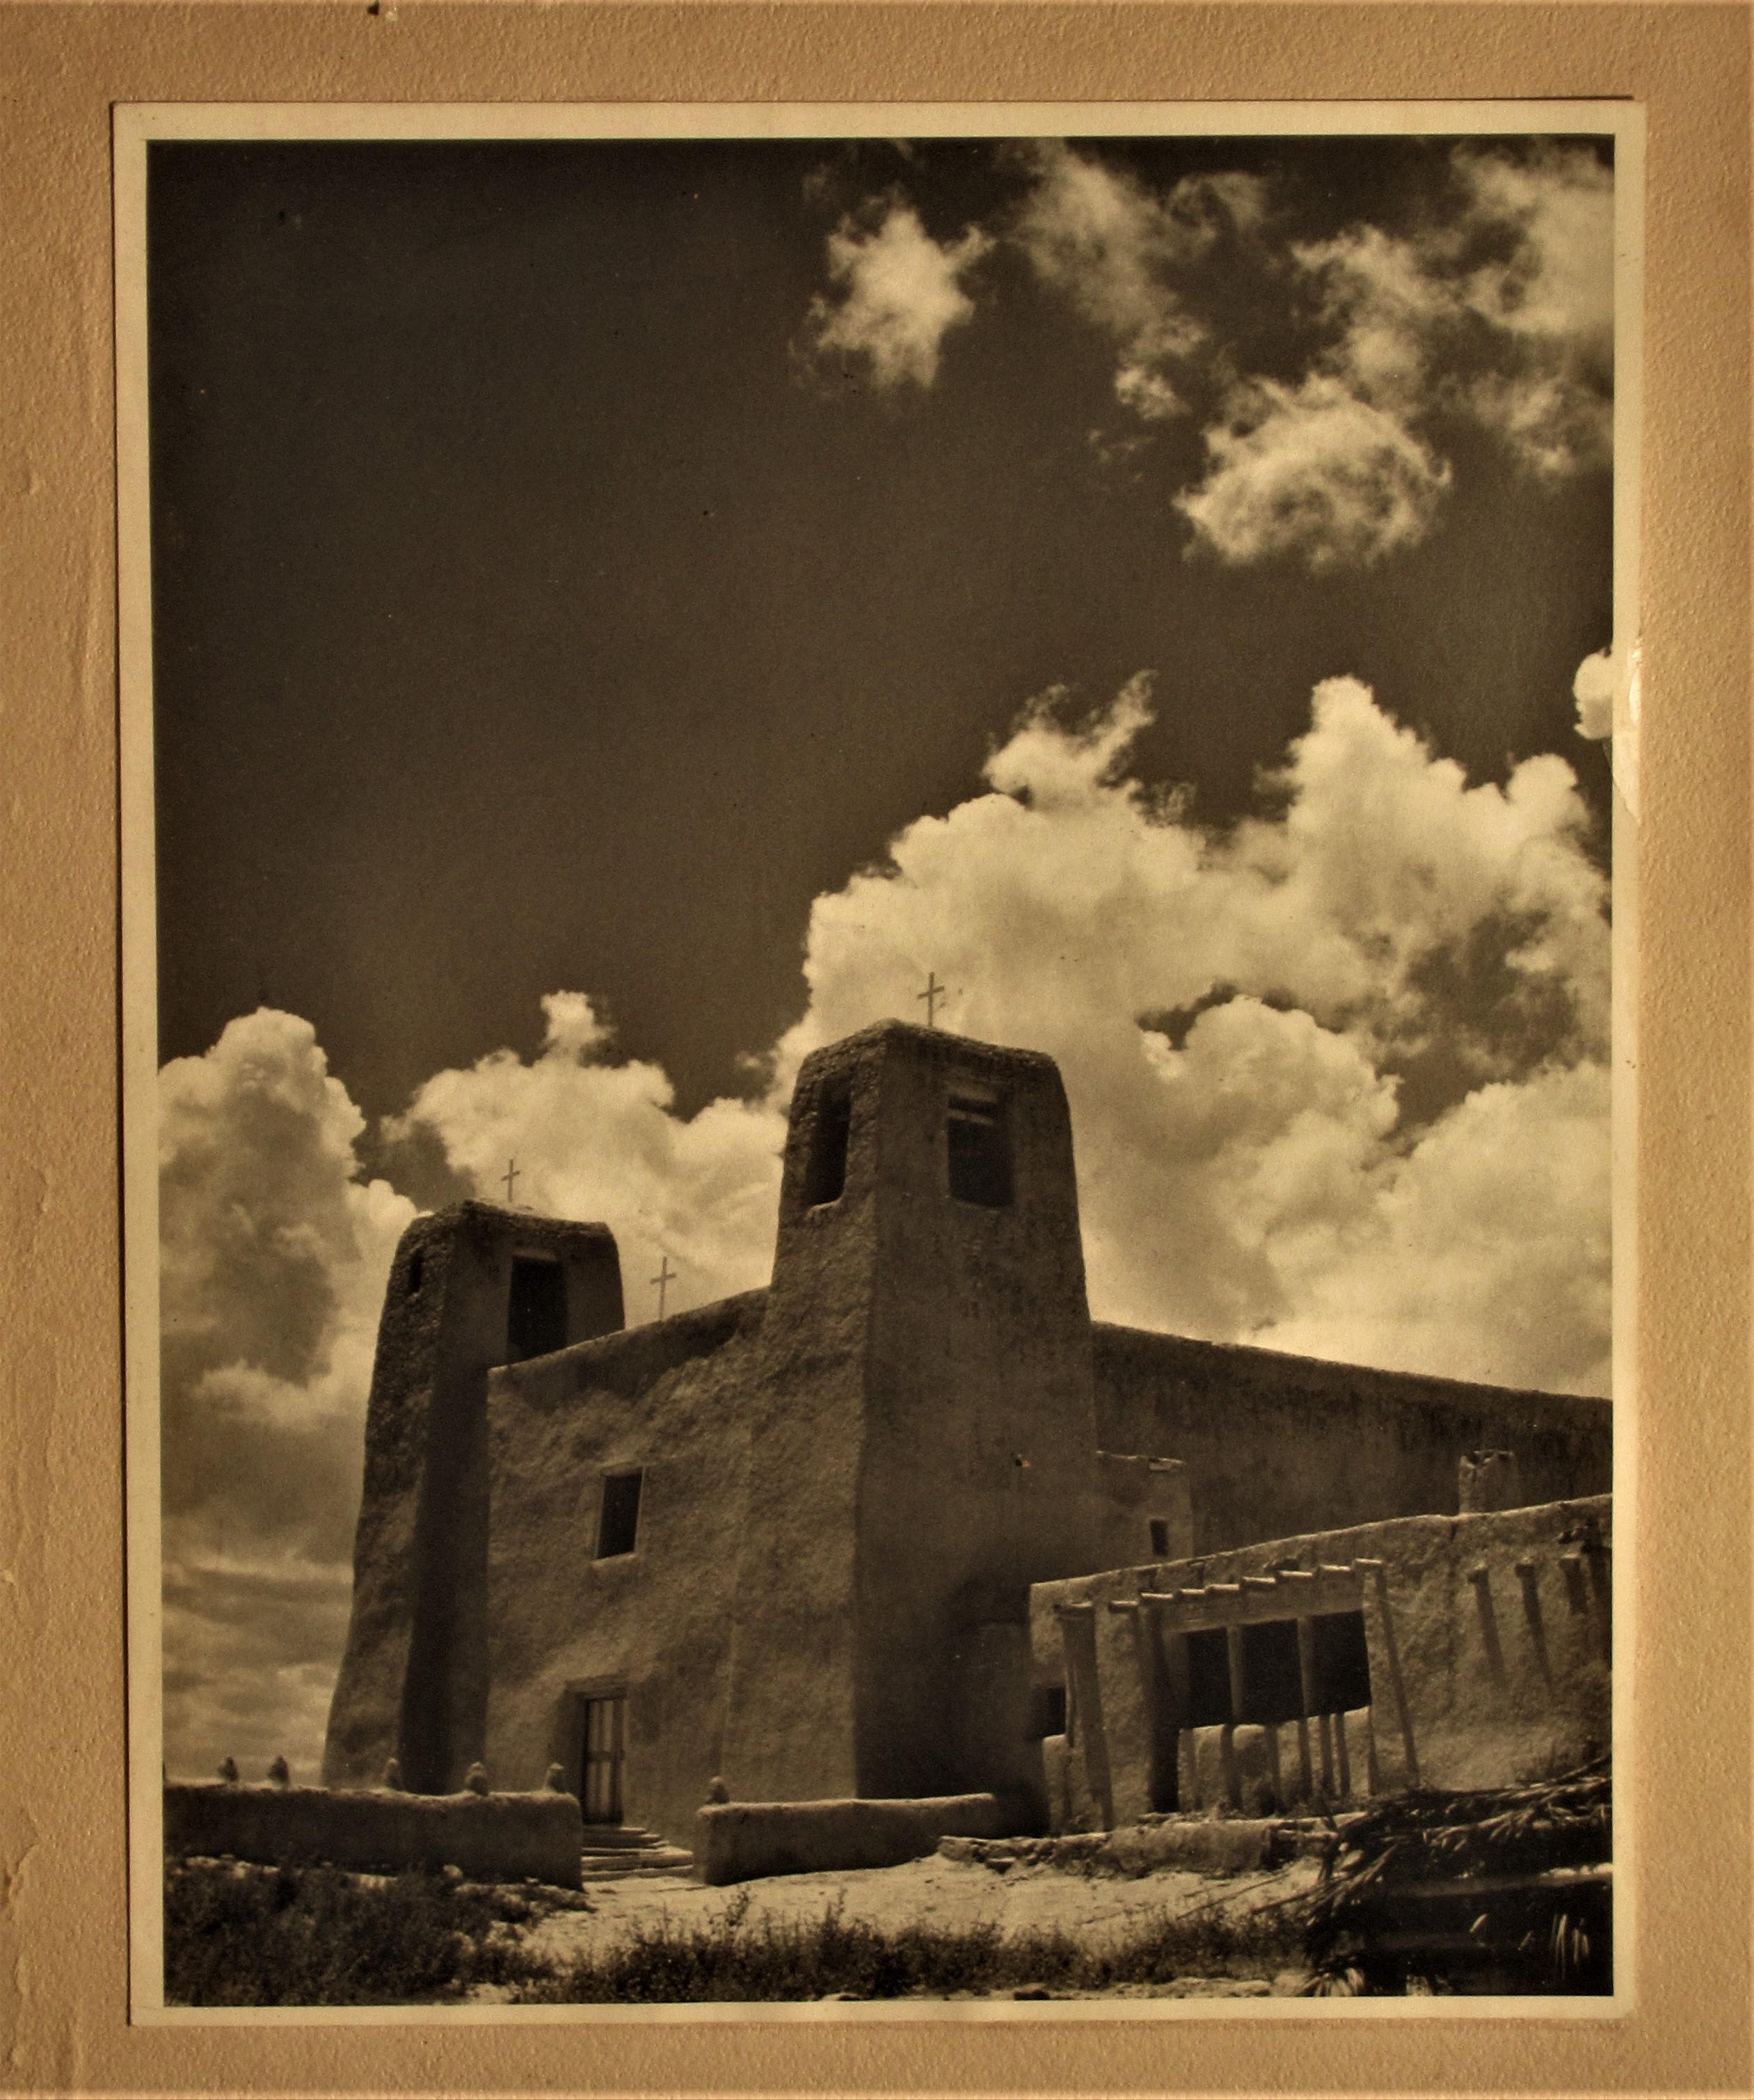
<point x="471" y="1287"/>
<point x="925" y="1446"/>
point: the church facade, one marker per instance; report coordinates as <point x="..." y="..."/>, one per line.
<point x="789" y="1540"/>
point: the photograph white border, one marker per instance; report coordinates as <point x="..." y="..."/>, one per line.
<point x="135" y="126"/>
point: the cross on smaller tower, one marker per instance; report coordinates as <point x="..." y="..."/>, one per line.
<point x="932" y="995"/>
<point x="510" y="1177"/>
<point x="664" y="1279"/>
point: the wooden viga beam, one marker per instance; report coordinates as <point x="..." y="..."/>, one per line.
<point x="1293" y="1593"/>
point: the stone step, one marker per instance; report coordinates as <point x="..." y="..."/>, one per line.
<point x="617" y="1837"/>
<point x="662" y="1862"/>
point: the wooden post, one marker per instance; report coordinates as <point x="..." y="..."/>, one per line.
<point x="1397" y="1681"/>
<point x="1238" y="1687"/>
<point x="1307" y="1686"/>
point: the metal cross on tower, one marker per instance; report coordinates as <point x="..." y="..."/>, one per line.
<point x="664" y="1279"/>
<point x="510" y="1177"/>
<point x="932" y="995"/>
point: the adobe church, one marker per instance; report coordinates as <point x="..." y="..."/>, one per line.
<point x="790" y="1539"/>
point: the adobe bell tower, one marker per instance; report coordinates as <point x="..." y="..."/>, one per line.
<point x="471" y="1287"/>
<point x="926" y="1444"/>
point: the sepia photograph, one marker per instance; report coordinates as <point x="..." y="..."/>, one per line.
<point x="877" y="1002"/>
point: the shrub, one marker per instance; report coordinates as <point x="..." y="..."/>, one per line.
<point x="313" y="1936"/>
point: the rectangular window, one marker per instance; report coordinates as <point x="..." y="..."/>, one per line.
<point x="535" y="1317"/>
<point x="825" y="1173"/>
<point x="1052" y="1712"/>
<point x="618" y="1526"/>
<point x="980" y="1149"/>
<point x="1160" y="1537"/>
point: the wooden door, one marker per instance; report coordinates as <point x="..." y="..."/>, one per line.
<point x="605" y="1749"/>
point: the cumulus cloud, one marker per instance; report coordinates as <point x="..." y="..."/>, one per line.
<point x="1238" y="1014"/>
<point x="1420" y="1263"/>
<point x="1549" y="301"/>
<point x="1501" y="312"/>
<point x="1337" y="1075"/>
<point x="1316" y="471"/>
<point x="596" y="1139"/>
<point x="1496" y="309"/>
<point x="1121" y="254"/>
<point x="274" y="1254"/>
<point x="896" y="295"/>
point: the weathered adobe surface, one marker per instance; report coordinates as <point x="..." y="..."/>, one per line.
<point x="741" y="1840"/>
<point x="412" y="1682"/>
<point x="495" y="1837"/>
<point x="924" y="1446"/>
<point x="674" y="1401"/>
<point x="1278" y="1445"/>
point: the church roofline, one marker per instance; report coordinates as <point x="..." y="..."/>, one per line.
<point x="890" y="1029"/>
<point x="1346" y="1367"/>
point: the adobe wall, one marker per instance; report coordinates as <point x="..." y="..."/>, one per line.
<point x="675" y="1398"/>
<point x="490" y="1838"/>
<point x="1279" y="1444"/>
<point x="1489" y="1639"/>
<point x="413" y="1683"/>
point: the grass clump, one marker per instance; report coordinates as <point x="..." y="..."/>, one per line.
<point x="730" y="1959"/>
<point x="314" y="1936"/>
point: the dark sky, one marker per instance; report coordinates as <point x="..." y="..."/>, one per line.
<point x="531" y="613"/>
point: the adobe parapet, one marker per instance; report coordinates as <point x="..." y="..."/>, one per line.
<point x="1329" y="1444"/>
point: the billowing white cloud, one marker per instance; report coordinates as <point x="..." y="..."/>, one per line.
<point x="897" y="293"/>
<point x="1337" y="1076"/>
<point x="1228" y="1177"/>
<point x="274" y="1255"/>
<point x="1503" y="1203"/>
<point x="598" y="1140"/>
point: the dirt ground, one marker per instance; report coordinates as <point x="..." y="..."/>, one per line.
<point x="950" y="1895"/>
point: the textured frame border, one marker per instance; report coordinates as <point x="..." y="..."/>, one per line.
<point x="62" y="1838"/>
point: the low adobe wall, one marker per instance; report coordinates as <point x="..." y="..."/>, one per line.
<point x="738" y="1841"/>
<point x="490" y="1837"/>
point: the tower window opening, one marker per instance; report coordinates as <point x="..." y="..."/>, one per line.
<point x="617" y="1523"/>
<point x="825" y="1174"/>
<point x="535" y="1319"/>
<point x="416" y="1268"/>
<point x="1160" y="1537"/>
<point x="980" y="1149"/>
